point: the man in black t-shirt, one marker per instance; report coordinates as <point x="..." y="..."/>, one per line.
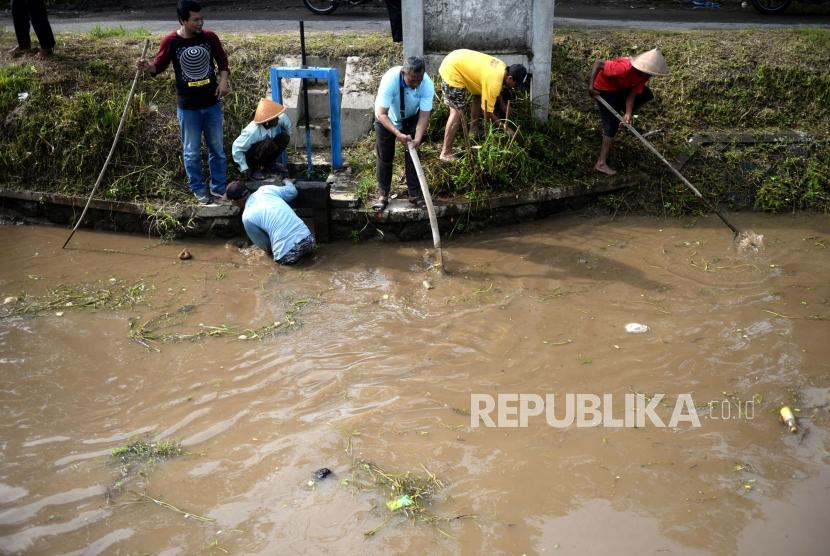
<point x="197" y="55"/>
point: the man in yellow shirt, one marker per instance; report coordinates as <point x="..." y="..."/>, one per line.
<point x="482" y="76"/>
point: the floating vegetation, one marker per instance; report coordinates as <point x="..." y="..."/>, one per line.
<point x="142" y="496"/>
<point x="136" y="459"/>
<point x="407" y="494"/>
<point x="159" y="328"/>
<point x="112" y="295"/>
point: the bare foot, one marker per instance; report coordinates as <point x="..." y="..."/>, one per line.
<point x="452" y="157"/>
<point x="605" y="169"/>
<point x="43" y="54"/>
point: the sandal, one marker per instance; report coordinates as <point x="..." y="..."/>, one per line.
<point x="418" y="202"/>
<point x="380" y="204"/>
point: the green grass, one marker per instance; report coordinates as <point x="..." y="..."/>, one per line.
<point x="99" y="32"/>
<point x="742" y="81"/>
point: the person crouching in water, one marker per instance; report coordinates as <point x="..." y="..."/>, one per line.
<point x="622" y="83"/>
<point x="270" y="223"/>
<point x="262" y="141"/>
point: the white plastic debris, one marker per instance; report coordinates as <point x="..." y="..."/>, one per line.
<point x="22" y="97"/>
<point x="636" y="328"/>
<point x="426" y="284"/>
<point x="9" y="299"/>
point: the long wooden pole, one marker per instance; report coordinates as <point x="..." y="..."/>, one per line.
<point x="112" y="149"/>
<point x="433" y="221"/>
<point x="672" y="168"/>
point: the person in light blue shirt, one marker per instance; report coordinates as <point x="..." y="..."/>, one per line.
<point x="402" y="108"/>
<point x="270" y="223"/>
<point x="263" y="140"/>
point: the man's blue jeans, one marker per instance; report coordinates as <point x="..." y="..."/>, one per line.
<point x="194" y="123"/>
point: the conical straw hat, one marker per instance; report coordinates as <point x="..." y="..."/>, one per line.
<point x="267" y="110"/>
<point x="651" y="62"/>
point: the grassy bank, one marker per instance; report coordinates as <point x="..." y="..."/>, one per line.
<point x="749" y="82"/>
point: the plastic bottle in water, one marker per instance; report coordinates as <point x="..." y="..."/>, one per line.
<point x="788" y="418"/>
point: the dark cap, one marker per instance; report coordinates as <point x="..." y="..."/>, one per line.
<point x="237" y="190"/>
<point x="520" y="76"/>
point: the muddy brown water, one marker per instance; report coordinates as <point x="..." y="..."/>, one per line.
<point x="382" y="369"/>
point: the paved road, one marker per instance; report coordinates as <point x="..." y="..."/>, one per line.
<point x="260" y="16"/>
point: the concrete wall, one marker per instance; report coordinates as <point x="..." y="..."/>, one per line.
<point x="517" y="31"/>
<point x="485" y="25"/>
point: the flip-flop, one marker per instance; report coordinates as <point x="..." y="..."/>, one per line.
<point x="380" y="204"/>
<point x="418" y="202"/>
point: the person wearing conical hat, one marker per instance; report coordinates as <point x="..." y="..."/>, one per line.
<point x="262" y="141"/>
<point x="622" y="83"/>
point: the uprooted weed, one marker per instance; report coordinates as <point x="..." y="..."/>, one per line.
<point x="408" y="495"/>
<point x="162" y="328"/>
<point x="112" y="296"/>
<point x="137" y="458"/>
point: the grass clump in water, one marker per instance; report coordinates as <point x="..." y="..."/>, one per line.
<point x="112" y="296"/>
<point x="159" y="329"/>
<point x="146" y="452"/>
<point x="407" y="494"/>
<point x="137" y="458"/>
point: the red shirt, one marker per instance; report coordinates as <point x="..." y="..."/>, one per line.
<point x="195" y="61"/>
<point x="618" y="75"/>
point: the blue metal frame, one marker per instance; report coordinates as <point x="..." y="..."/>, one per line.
<point x="330" y="75"/>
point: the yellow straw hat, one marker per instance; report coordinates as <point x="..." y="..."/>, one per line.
<point x="267" y="110"/>
<point x="651" y="62"/>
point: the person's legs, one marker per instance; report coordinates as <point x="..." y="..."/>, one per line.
<point x="475" y="114"/>
<point x="602" y="160"/>
<point x="261" y="156"/>
<point x="212" y="123"/>
<point x="610" y="127"/>
<point x="20" y="16"/>
<point x="281" y="141"/>
<point x="385" y="151"/>
<point x="395" y="19"/>
<point x="302" y="248"/>
<point x="191" y="134"/>
<point x="40" y="23"/>
<point x="455" y="98"/>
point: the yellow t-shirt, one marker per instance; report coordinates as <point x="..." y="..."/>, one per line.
<point x="479" y="73"/>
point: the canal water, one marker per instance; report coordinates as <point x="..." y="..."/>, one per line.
<point x="371" y="368"/>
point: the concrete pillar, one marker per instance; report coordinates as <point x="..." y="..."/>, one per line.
<point x="413" y="28"/>
<point x="516" y="31"/>
<point x="540" y="66"/>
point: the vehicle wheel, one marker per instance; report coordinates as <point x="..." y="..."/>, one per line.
<point x="771" y="6"/>
<point x="321" y="7"/>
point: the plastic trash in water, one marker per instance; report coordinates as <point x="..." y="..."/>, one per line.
<point x="400" y="502"/>
<point x="636" y="328"/>
<point x="788" y="418"/>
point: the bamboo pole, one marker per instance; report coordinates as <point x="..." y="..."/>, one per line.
<point x="112" y="149"/>
<point x="433" y="221"/>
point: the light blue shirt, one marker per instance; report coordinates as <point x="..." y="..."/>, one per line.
<point x="254" y="133"/>
<point x="389" y="96"/>
<point x="270" y="222"/>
